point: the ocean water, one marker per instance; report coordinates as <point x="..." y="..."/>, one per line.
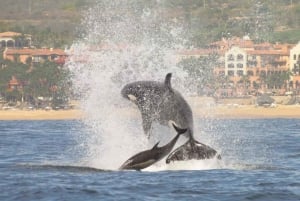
<point x="45" y="160"/>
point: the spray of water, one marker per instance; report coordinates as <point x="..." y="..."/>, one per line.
<point x="121" y="42"/>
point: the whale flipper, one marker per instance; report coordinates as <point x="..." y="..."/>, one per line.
<point x="179" y="130"/>
<point x="155" y="146"/>
<point x="147" y="123"/>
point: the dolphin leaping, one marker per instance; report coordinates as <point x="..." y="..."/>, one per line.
<point x="149" y="157"/>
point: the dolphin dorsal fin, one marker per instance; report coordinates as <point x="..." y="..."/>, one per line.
<point x="155" y="146"/>
<point x="168" y="81"/>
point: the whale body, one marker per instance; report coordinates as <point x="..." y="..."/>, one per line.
<point x="161" y="103"/>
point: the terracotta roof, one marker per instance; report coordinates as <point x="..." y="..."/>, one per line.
<point x="48" y="52"/>
<point x="35" y="52"/>
<point x="234" y="41"/>
<point x="267" y="52"/>
<point x="265" y="44"/>
<point x="11" y="34"/>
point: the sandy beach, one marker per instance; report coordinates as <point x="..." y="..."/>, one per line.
<point x="249" y="112"/>
<point x="218" y="111"/>
<point x="40" y="114"/>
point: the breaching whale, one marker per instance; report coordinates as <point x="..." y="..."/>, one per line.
<point x="159" y="102"/>
<point x="146" y="158"/>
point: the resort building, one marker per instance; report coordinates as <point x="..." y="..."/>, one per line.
<point x="235" y="62"/>
<point x="295" y="66"/>
<point x="14" y="39"/>
<point x="34" y="56"/>
<point x="295" y="59"/>
<point x="250" y="67"/>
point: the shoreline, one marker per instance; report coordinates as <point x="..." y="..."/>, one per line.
<point x="211" y="112"/>
<point x="16" y="114"/>
<point x="249" y="112"/>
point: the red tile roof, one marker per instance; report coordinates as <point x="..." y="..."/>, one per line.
<point x="35" y="52"/>
<point x="11" y="34"/>
<point x="267" y="52"/>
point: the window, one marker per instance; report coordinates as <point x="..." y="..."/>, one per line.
<point x="250" y="73"/>
<point x="295" y="57"/>
<point x="231" y="73"/>
<point x="263" y="73"/>
<point x="230" y="57"/>
<point x="231" y="65"/>
<point x="36" y="59"/>
<point x="240" y="72"/>
<point x="53" y="56"/>
<point x="240" y="57"/>
<point x="3" y="43"/>
<point x="240" y="65"/>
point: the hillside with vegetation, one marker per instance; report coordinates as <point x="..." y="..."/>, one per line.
<point x="54" y="23"/>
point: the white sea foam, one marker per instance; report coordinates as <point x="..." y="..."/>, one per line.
<point x="207" y="164"/>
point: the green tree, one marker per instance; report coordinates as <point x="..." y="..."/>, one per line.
<point x="48" y="80"/>
<point x="246" y="82"/>
<point x="278" y="80"/>
<point x="7" y="71"/>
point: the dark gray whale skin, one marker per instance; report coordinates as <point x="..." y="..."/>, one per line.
<point x="192" y="149"/>
<point x="158" y="101"/>
<point x="147" y="158"/>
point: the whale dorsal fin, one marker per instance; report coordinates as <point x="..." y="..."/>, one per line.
<point x="155" y="146"/>
<point x="168" y="81"/>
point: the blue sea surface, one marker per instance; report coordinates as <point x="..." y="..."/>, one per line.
<point x="261" y="162"/>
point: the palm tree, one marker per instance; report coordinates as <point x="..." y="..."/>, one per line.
<point x="262" y="79"/>
<point x="286" y="76"/>
<point x="245" y="80"/>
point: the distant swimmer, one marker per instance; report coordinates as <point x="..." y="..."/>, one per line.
<point x="146" y="158"/>
<point x="159" y="102"/>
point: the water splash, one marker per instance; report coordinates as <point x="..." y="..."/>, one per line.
<point x="121" y="42"/>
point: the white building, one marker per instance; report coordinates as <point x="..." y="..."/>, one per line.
<point x="14" y="39"/>
<point x="295" y="59"/>
<point x="235" y="62"/>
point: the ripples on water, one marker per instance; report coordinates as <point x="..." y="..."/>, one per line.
<point x="44" y="160"/>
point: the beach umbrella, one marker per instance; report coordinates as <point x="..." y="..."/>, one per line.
<point x="264" y="99"/>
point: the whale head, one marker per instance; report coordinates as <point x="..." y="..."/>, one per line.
<point x="131" y="91"/>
